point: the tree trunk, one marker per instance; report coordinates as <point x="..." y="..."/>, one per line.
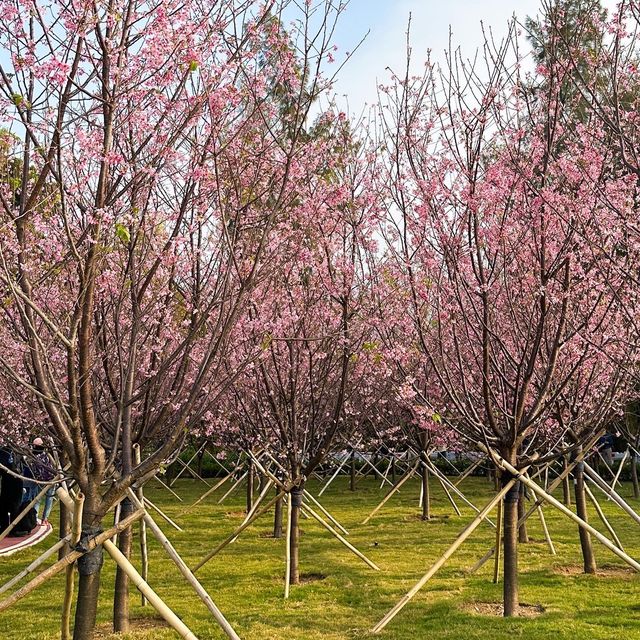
<point x="510" y="551"/>
<point x="250" y="487"/>
<point x="393" y="470"/>
<point x="277" y="518"/>
<point x="426" y="498"/>
<point x="295" y="498"/>
<point x="89" y="569"/>
<point x="352" y="484"/>
<point x="566" y="490"/>
<point x="121" y="591"/>
<point x="581" y="509"/>
<point x="523" y="536"/>
<point x="634" y="475"/>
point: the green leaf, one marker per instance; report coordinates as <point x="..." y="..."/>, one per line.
<point x="123" y="233"/>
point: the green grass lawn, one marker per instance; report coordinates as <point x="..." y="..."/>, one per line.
<point x="246" y="578"/>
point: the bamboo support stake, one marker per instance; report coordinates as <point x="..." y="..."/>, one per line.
<point x="603" y="518"/>
<point x="386" y="474"/>
<point x="24" y="512"/>
<point x="168" y="488"/>
<point x="116" y="519"/>
<point x="443" y="479"/>
<point x="235" y="485"/>
<point x="185" y="466"/>
<point x="345" y="542"/>
<point x="287" y="575"/>
<point x="325" y="512"/>
<point x="208" y="492"/>
<point x="144" y="554"/>
<point x="610" y="492"/>
<point x="332" y="478"/>
<point x="498" y="544"/>
<point x="469" y="529"/>
<point x="195" y="474"/>
<point x="35" y="564"/>
<point x="554" y="485"/>
<point x="186" y="572"/>
<point x="239" y="530"/>
<point x="547" y="535"/>
<point x="615" y="480"/>
<point x="156" y="602"/>
<point x="76" y="532"/>
<point x="558" y="505"/>
<point x="161" y="513"/>
<point x="281" y="484"/>
<point x="71" y="557"/>
<point x="469" y="471"/>
<point x="393" y="490"/>
<point x="256" y="503"/>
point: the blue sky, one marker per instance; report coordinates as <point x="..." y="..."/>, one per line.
<point x="387" y="22"/>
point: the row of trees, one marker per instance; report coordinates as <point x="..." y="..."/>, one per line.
<point x="182" y="249"/>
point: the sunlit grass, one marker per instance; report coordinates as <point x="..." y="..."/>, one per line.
<point x="246" y="579"/>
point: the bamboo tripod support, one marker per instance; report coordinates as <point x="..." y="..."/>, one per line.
<point x="186" y="572"/>
<point x="307" y="509"/>
<point x="558" y="505"/>
<point x="601" y="515"/>
<point x="144" y="555"/>
<point x="155" y="600"/>
<point x="469" y="529"/>
<point x="71" y="557"/>
<point x="76" y="506"/>
<point x="393" y="490"/>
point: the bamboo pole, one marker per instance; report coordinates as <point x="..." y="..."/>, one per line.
<point x="239" y="530"/>
<point x="547" y="535"/>
<point x="469" y="529"/>
<point x="195" y="474"/>
<point x="325" y="512"/>
<point x="185" y="466"/>
<point x="345" y="542"/>
<point x="161" y="513"/>
<point x="256" y="503"/>
<point x="393" y="490"/>
<point x="24" y="512"/>
<point x="156" y="602"/>
<point x="459" y="493"/>
<point x="610" y="492"/>
<point x="558" y="505"/>
<point x="208" y="492"/>
<point x="600" y="513"/>
<point x="332" y="478"/>
<point x="615" y="480"/>
<point x="554" y="485"/>
<point x="469" y="471"/>
<point x="76" y="532"/>
<point x="238" y="481"/>
<point x="279" y="482"/>
<point x="287" y="574"/>
<point x="498" y="544"/>
<point x="144" y="554"/>
<point x="35" y="564"/>
<point x="186" y="572"/>
<point x="71" y="557"/>
<point x="168" y="488"/>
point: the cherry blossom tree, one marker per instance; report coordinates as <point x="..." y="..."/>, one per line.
<point x="496" y="202"/>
